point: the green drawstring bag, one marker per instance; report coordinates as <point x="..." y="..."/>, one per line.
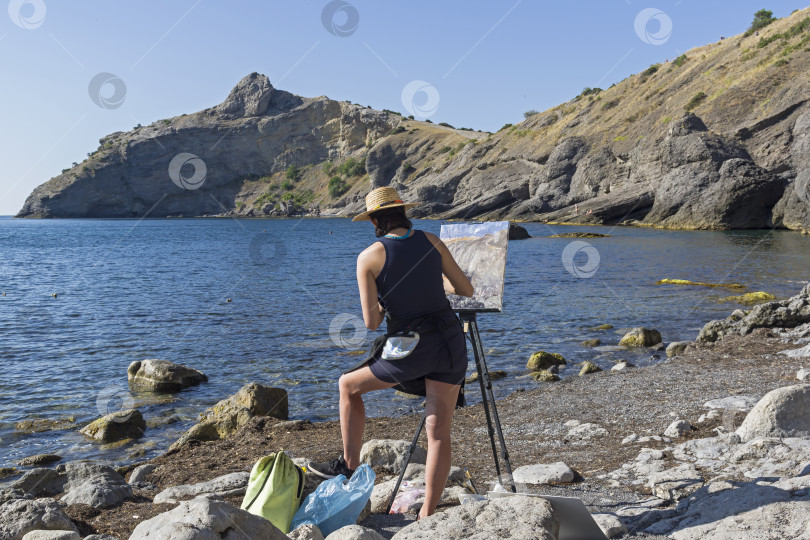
<point x="274" y="490"/>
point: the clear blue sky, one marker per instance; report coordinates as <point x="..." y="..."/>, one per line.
<point x="488" y="61"/>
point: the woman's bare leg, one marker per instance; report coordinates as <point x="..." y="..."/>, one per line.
<point x="352" y="411"/>
<point x="441" y="402"/>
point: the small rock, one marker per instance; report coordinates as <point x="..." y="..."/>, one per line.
<point x="676" y="348"/>
<point x="162" y="376"/>
<point x="589" y="367"/>
<point x="52" y="535"/>
<point x="640" y="337"/>
<point x="223" y="486"/>
<point x="587" y="431"/>
<point x="307" y="531"/>
<point x="116" y="426"/>
<point x="140" y="473"/>
<point x="544" y="360"/>
<point x="204" y="518"/>
<point x="21" y="516"/>
<point x="610" y="524"/>
<point x="355" y="532"/>
<point x="494" y="375"/>
<point x="389" y="455"/>
<point x="678" y="429"/>
<point x="592" y="342"/>
<point x="545" y="376"/>
<point x="39" y="459"/>
<point x="735" y="403"/>
<point x="803" y="375"/>
<point x="622" y="366"/>
<point x="630" y="439"/>
<point x="543" y="474"/>
<point x="5" y="472"/>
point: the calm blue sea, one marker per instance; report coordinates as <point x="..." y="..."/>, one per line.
<point x="130" y="290"/>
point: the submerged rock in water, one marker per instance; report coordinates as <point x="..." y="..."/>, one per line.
<point x="641" y="337"/>
<point x="749" y="299"/>
<point x="494" y="375"/>
<point x="39" y="459"/>
<point x="516" y="232"/>
<point x="544" y="360"/>
<point x="116" y="426"/>
<point x="162" y="376"/>
<point x="204" y="518"/>
<point x="231" y="413"/>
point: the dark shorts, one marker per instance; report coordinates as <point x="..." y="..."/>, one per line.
<point x="436" y="357"/>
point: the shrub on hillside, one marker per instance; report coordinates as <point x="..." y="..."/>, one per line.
<point x="681" y="60"/>
<point x="293" y="173"/>
<point x="762" y="18"/>
<point x="337" y="186"/>
<point x="696" y="100"/>
<point x="530" y="113"/>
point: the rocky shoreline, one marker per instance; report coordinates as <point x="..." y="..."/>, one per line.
<point x="664" y="451"/>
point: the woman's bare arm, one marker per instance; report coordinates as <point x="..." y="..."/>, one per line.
<point x="455" y="281"/>
<point x="367" y="262"/>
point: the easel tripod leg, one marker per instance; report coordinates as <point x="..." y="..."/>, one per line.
<point x="407" y="462"/>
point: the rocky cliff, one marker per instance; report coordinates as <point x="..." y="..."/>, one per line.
<point x="715" y="139"/>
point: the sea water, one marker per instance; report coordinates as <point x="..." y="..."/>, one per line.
<point x="276" y="302"/>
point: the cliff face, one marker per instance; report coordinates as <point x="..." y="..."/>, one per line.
<point x="256" y="131"/>
<point x="718" y="138"/>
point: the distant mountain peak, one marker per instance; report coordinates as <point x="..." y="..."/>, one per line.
<point x="250" y="97"/>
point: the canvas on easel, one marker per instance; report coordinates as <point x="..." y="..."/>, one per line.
<point x="480" y="251"/>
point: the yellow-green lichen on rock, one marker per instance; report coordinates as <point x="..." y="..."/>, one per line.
<point x="494" y="375"/>
<point x="602" y="327"/>
<point x="543" y="360"/>
<point x="641" y="337"/>
<point x="117" y="426"/>
<point x="545" y="376"/>
<point x="589" y="367"/>
<point x="669" y="281"/>
<point x="750" y="299"/>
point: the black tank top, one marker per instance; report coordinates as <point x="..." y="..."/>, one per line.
<point x="410" y="283"/>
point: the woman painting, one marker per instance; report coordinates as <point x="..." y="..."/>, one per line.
<point x="404" y="277"/>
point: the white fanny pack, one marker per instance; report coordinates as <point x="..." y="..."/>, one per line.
<point x="400" y="346"/>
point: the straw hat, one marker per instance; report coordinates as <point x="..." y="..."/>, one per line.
<point x="382" y="198"/>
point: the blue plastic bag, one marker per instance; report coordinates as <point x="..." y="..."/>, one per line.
<point x="334" y="504"/>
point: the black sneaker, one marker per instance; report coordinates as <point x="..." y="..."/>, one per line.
<point x="331" y="469"/>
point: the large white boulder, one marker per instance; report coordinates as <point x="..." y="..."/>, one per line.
<point x="543" y="473"/>
<point x="229" y="484"/>
<point x="21" y="516"/>
<point x="506" y="517"/>
<point x="204" y="519"/>
<point x="781" y="413"/>
<point x="389" y="455"/>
